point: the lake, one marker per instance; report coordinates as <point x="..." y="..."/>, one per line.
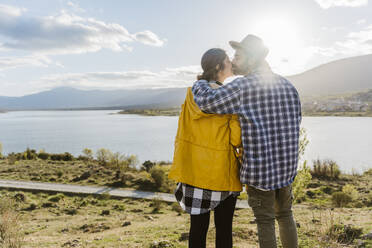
<point x="347" y="140"/>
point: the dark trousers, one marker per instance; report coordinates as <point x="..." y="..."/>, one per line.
<point x="223" y="218"/>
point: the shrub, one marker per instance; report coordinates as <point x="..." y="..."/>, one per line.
<point x="29" y="154"/>
<point x="351" y="191"/>
<point x="55" y="157"/>
<point x="368" y="172"/>
<point x="67" y="156"/>
<point x="144" y="181"/>
<point x="103" y="156"/>
<point x="12" y="158"/>
<point x="147" y="165"/>
<point x="127" y="178"/>
<point x="341" y="199"/>
<point x="344" y="233"/>
<point x="59" y="173"/>
<point x="159" y="176"/>
<point x="303" y="142"/>
<point x="300" y="183"/>
<point x="43" y="155"/>
<point x="327" y="169"/>
<point x="132" y="160"/>
<point x="88" y="153"/>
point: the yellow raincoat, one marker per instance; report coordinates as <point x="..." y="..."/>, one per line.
<point x="204" y="152"/>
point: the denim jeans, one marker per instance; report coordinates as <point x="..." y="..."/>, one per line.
<point x="268" y="206"/>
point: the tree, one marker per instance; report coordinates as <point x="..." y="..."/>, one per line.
<point x="147" y="165"/>
<point x="103" y="156"/>
<point x="88" y="153"/>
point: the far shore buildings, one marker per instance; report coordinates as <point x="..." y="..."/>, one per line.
<point x="336" y="105"/>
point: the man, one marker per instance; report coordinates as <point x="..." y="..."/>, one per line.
<point x="269" y="111"/>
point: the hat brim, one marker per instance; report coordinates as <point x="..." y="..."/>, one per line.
<point x="236" y="45"/>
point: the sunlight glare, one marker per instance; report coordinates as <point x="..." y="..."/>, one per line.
<point x="282" y="37"/>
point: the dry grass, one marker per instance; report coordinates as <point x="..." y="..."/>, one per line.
<point x="50" y="225"/>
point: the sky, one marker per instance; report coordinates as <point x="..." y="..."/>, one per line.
<point x="111" y="44"/>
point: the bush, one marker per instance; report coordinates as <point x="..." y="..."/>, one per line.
<point x="12" y="158"/>
<point x="127" y="178"/>
<point x="341" y="199"/>
<point x="59" y="173"/>
<point x="344" y="233"/>
<point x="327" y="169"/>
<point x="62" y="157"/>
<point x="158" y="174"/>
<point x="144" y="181"/>
<point x="301" y="182"/>
<point x="147" y="165"/>
<point x="351" y="191"/>
<point x="103" y="156"/>
<point x="368" y="172"/>
<point x="55" y="157"/>
<point x="29" y="154"/>
<point x="88" y="153"/>
<point x="303" y="142"/>
<point x="43" y="155"/>
<point x="67" y="156"/>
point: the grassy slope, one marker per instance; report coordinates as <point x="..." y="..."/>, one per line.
<point x="52" y="226"/>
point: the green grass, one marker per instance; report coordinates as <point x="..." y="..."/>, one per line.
<point x="58" y="219"/>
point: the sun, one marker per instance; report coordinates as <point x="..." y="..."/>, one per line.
<point x="282" y="37"/>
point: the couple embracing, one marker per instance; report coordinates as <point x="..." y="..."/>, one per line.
<point x="245" y="132"/>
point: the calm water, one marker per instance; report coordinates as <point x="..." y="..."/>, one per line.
<point x="344" y="139"/>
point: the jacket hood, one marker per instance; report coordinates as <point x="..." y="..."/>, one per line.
<point x="193" y="108"/>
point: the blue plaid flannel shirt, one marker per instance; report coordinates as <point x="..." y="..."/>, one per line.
<point x="269" y="110"/>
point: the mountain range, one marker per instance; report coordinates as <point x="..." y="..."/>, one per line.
<point x="341" y="76"/>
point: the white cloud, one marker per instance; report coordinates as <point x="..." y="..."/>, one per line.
<point x="66" y="33"/>
<point x="148" y="38"/>
<point x="33" y="60"/>
<point x="356" y="43"/>
<point x="168" y="78"/>
<point x="10" y="11"/>
<point x="325" y="4"/>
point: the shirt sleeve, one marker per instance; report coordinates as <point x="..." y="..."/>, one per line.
<point x="223" y="100"/>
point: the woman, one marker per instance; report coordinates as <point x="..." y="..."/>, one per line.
<point x="205" y="163"/>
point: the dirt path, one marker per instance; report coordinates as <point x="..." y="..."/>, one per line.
<point x="78" y="189"/>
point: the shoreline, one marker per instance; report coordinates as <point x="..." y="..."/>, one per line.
<point x="176" y="111"/>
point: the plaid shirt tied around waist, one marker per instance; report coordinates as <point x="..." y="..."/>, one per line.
<point x="269" y="110"/>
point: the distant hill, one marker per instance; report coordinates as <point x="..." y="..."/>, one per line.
<point x="340" y="76"/>
<point x="69" y="98"/>
<point x="337" y="77"/>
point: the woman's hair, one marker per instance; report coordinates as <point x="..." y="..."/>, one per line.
<point x="212" y="62"/>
